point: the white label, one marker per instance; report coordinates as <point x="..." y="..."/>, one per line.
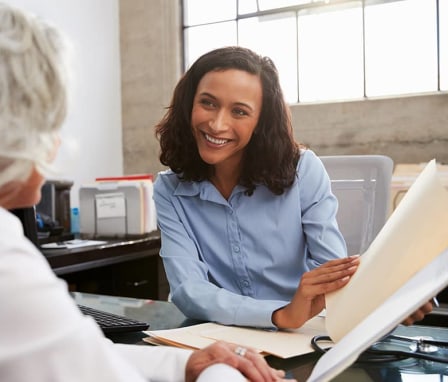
<point x="110" y="205"/>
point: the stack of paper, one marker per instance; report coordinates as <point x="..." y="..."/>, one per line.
<point x="283" y="344"/>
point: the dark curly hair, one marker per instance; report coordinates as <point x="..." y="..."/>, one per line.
<point x="271" y="156"/>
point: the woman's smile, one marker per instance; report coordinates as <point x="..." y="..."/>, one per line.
<point x="215" y="141"/>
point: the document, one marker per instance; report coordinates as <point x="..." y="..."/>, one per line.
<point x="404" y="267"/>
<point x="75" y="243"/>
<point x="283" y="344"/>
<point x="414" y="235"/>
<point x="421" y="287"/>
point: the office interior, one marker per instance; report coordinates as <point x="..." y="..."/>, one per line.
<point x="125" y="58"/>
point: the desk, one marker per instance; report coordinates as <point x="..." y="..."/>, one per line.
<point x="164" y="315"/>
<point x="125" y="267"/>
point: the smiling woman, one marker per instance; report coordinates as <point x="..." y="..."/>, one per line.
<point x="271" y="154"/>
<point x="245" y="211"/>
<point x="247" y="217"/>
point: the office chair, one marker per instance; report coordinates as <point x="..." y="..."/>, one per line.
<point x="361" y="184"/>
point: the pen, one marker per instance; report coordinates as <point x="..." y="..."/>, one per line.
<point x="435" y="302"/>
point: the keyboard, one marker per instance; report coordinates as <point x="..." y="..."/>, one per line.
<point x="113" y="323"/>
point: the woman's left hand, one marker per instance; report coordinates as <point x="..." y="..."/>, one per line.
<point x="419" y="314"/>
<point x="309" y="298"/>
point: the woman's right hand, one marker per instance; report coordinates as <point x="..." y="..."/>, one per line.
<point x="309" y="298"/>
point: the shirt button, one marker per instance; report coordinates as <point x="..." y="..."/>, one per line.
<point x="236" y="248"/>
<point x="246" y="283"/>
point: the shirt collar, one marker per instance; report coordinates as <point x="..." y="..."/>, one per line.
<point x="205" y="190"/>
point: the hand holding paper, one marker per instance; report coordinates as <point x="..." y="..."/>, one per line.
<point x="405" y="266"/>
<point x="309" y="299"/>
<point x="415" y="234"/>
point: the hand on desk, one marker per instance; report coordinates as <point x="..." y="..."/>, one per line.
<point x="309" y="298"/>
<point x="249" y="362"/>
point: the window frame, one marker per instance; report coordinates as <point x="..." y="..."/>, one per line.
<point x="316" y="5"/>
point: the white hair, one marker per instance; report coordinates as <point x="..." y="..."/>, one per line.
<point x="33" y="97"/>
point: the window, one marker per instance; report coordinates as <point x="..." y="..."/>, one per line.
<point x="329" y="50"/>
<point x="262" y="34"/>
<point x="330" y="53"/>
<point x="401" y="47"/>
<point x="443" y="44"/>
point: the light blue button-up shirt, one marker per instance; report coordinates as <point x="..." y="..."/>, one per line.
<point x="236" y="261"/>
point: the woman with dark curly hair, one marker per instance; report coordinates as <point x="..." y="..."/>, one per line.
<point x="246" y="214"/>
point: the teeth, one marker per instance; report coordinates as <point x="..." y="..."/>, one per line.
<point x="215" y="140"/>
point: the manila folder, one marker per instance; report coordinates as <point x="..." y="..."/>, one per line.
<point x="414" y="235"/>
<point x="407" y="299"/>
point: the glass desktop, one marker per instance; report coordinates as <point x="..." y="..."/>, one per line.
<point x="165" y="315"/>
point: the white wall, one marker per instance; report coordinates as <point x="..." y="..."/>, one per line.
<point x="93" y="123"/>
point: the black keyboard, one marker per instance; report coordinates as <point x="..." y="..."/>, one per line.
<point x="113" y="323"/>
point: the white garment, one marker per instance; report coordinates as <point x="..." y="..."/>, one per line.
<point x="43" y="335"/>
<point x="220" y="372"/>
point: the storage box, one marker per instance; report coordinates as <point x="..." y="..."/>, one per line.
<point x="117" y="207"/>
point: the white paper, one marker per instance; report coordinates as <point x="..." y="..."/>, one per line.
<point x="75" y="243"/>
<point x="283" y="344"/>
<point x="420" y="288"/>
<point x="413" y="236"/>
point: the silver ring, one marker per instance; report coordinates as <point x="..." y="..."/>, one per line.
<point x="240" y="351"/>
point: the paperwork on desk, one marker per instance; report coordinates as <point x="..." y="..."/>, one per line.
<point x="402" y="269"/>
<point x="71" y="244"/>
<point x="283" y="344"/>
